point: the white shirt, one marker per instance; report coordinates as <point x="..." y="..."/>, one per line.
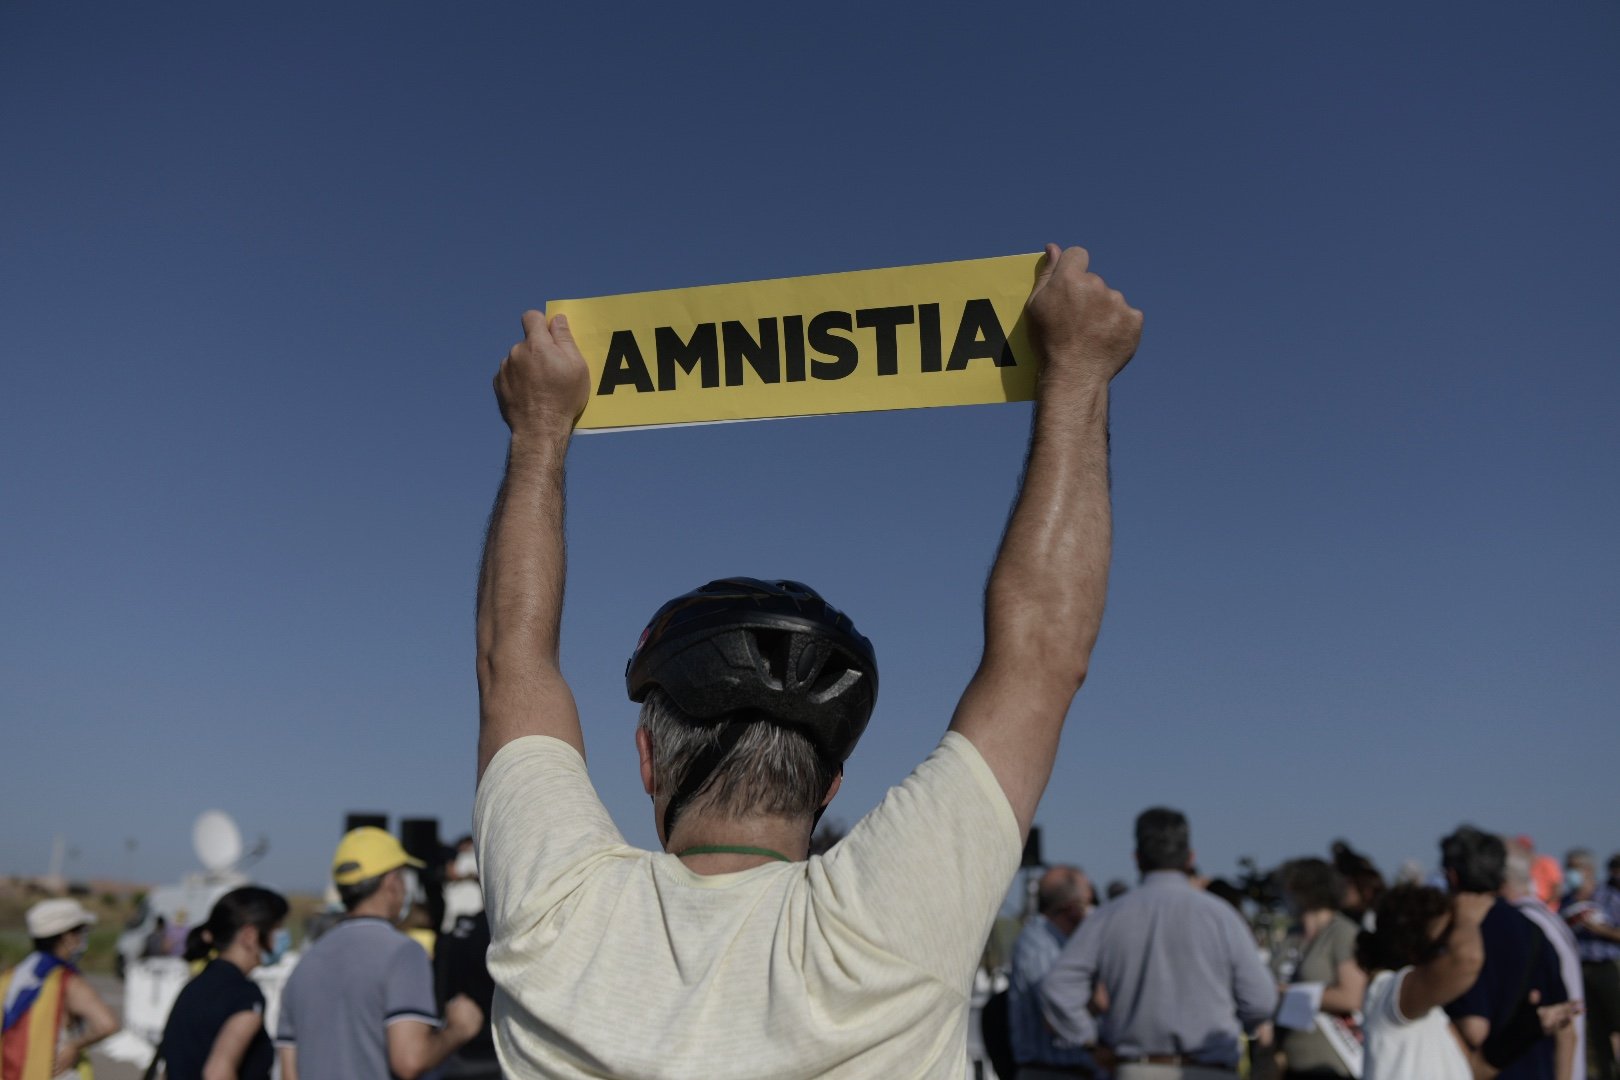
<point x="1402" y="1049"/>
<point x="612" y="961"/>
<point x="464" y="895"/>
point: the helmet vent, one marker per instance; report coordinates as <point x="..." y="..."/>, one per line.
<point x="773" y="648"/>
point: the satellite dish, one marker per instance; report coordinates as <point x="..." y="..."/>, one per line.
<point x="216" y="840"/>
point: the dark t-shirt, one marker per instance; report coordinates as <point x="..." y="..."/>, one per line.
<point x="1518" y="959"/>
<point x="219" y="992"/>
<point x="460" y="968"/>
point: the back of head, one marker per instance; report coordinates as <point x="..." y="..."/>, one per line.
<point x="237" y="909"/>
<point x="753" y="693"/>
<point x="770" y="770"/>
<point x="1477" y="859"/>
<point x="1403" y="936"/>
<point x="1518" y="868"/>
<point x="1061" y="888"/>
<point x="1163" y="840"/>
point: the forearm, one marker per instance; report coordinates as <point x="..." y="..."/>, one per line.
<point x="1454" y="971"/>
<point x="1044" y="602"/>
<point x="429" y="1053"/>
<point x="1340" y="1001"/>
<point x="520" y="594"/>
<point x="1564" y="1053"/>
<point x="441" y="1044"/>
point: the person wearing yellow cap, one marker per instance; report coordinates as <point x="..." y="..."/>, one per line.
<point x="52" y="1015"/>
<point x="360" y="1002"/>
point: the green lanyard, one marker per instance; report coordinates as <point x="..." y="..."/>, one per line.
<point x="732" y="849"/>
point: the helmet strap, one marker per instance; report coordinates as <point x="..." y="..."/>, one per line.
<point x="702" y="770"/>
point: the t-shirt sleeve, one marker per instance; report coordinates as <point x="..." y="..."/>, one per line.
<point x="1341" y="945"/>
<point x="247" y="997"/>
<point x="922" y="876"/>
<point x="286" y="1033"/>
<point x="538" y="822"/>
<point x="408" y="993"/>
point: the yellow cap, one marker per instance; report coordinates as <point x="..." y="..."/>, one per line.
<point x="367" y="853"/>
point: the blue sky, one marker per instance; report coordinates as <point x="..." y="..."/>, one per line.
<point x="260" y="266"/>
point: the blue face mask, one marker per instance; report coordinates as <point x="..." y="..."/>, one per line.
<point x="1574" y="879"/>
<point x="280" y="943"/>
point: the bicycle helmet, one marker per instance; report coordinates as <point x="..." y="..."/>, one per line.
<point x="741" y="650"/>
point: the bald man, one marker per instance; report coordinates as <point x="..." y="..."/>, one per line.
<point x="1062" y="898"/>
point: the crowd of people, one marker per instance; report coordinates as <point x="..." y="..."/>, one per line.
<point x="1503" y="964"/>
<point x="734" y="953"/>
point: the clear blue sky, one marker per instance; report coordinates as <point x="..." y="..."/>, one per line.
<point x="259" y="267"/>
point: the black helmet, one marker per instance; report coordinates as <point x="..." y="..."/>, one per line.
<point x="741" y="649"/>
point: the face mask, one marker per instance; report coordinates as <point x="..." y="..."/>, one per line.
<point x="1574" y="879"/>
<point x="280" y="942"/>
<point x="409" y="878"/>
<point x="79" y="950"/>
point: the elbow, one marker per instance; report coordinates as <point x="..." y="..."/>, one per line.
<point x="406" y="1066"/>
<point x="1053" y="666"/>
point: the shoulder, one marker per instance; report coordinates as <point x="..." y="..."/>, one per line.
<point x="1342" y="932"/>
<point x="1383" y="998"/>
<point x="543" y="751"/>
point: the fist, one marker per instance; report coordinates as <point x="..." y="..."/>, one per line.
<point x="1081" y="326"/>
<point x="543" y="383"/>
<point x="463" y="1016"/>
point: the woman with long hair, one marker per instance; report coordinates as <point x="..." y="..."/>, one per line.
<point x="216" y="1029"/>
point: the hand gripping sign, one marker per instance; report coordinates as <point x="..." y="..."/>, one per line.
<point x="908" y="337"/>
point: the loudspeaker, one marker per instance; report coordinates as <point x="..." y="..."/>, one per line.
<point x="420" y="839"/>
<point x="359" y="819"/>
<point x="419" y="836"/>
<point x="1032" y="849"/>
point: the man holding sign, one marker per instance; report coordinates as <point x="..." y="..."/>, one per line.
<point x="733" y="953"/>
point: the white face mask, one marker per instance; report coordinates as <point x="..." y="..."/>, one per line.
<point x="407" y="877"/>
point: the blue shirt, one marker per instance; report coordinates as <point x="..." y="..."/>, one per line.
<point x="1593" y="949"/>
<point x="361" y="977"/>
<point x="1182" y="973"/>
<point x="1036" y="950"/>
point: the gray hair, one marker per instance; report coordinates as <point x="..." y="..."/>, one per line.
<point x="773" y="769"/>
<point x="1059" y="891"/>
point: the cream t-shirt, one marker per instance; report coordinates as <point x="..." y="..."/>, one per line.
<point x="610" y="961"/>
<point x="1402" y="1049"/>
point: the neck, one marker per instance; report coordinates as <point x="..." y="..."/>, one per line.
<point x="243" y="957"/>
<point x="787" y="836"/>
<point x="1312" y="922"/>
<point x="374" y="908"/>
<point x="1066" y="924"/>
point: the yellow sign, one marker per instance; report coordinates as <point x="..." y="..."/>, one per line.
<point x="909" y="337"/>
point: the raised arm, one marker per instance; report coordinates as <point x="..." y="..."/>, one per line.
<point x="1044" y="603"/>
<point x="542" y="387"/>
<point x="1449" y="973"/>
